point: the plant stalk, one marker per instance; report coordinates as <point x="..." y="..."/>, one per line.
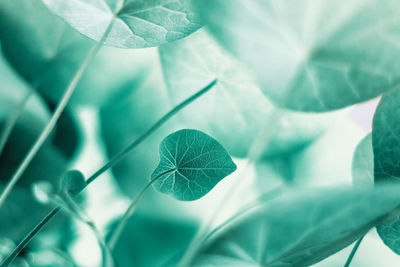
<point x="57" y="113"/>
<point x="353" y="251"/>
<point x="129" y="212"/>
<point x="108" y="165"/>
<point x="13" y="119"/>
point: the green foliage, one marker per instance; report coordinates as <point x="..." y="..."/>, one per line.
<point x="191" y="164"/>
<point x="306" y="59"/>
<point x="94" y="96"/>
<point x="138" y="23"/>
<point x="321" y="223"/>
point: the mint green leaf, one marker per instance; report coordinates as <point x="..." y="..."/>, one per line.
<point x="59" y="51"/>
<point x="385" y="138"/>
<point x="363" y="163"/>
<point x="138" y="24"/>
<point x="234" y="111"/>
<point x="72" y="182"/>
<point x="304" y="227"/>
<point x="191" y="164"/>
<point x="306" y="58"/>
<point x="165" y="237"/>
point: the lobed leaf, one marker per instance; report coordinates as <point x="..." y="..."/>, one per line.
<point x="311" y="55"/>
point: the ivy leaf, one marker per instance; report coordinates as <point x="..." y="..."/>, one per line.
<point x="363" y="163"/>
<point x="191" y="164"/>
<point x="50" y="65"/>
<point x="304" y="227"/>
<point x="306" y="58"/>
<point x="234" y="111"/>
<point x="138" y="24"/>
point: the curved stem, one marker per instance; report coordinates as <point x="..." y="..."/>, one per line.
<point x="128" y="213"/>
<point x="13" y="119"/>
<point x="353" y="251"/>
<point x="108" y="165"/>
<point x="57" y="113"/>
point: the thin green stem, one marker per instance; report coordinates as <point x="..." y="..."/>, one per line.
<point x="129" y="212"/>
<point x="108" y="165"/>
<point x="13" y="119"/>
<point x="57" y="113"/>
<point x="153" y="128"/>
<point x="353" y="251"/>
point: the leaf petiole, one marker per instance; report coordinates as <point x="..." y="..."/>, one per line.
<point x="353" y="251"/>
<point x="108" y="165"/>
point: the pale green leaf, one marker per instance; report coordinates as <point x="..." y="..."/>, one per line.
<point x="234" y="111"/>
<point x="138" y="24"/>
<point x="312" y="55"/>
<point x="304" y="227"/>
<point x="191" y="164"/>
<point x="363" y="163"/>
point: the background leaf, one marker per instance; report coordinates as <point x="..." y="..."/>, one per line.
<point x="234" y="111"/>
<point x="138" y="24"/>
<point x="306" y="59"/>
<point x="59" y="51"/>
<point x="191" y="164"/>
<point x="363" y="163"/>
<point x="304" y="227"/>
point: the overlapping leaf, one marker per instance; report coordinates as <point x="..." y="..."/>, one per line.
<point x="137" y="23"/>
<point x="312" y="55"/>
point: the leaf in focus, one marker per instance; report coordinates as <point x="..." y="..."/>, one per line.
<point x="191" y="164"/>
<point x="59" y="51"/>
<point x="234" y="111"/>
<point x="304" y="227"/>
<point x="151" y="241"/>
<point x="363" y="163"/>
<point x="311" y="55"/>
<point x="138" y="24"/>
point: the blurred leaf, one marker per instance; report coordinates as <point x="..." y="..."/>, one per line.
<point x="150" y="241"/>
<point x="307" y="58"/>
<point x="72" y="182"/>
<point x="191" y="164"/>
<point x="138" y="24"/>
<point x="363" y="163"/>
<point x="304" y="227"/>
<point x="234" y="111"/>
<point x="57" y="53"/>
<point x="385" y="138"/>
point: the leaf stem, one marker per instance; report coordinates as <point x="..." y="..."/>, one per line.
<point x="13" y="119"/>
<point x="57" y="113"/>
<point x="128" y="213"/>
<point x="108" y="165"/>
<point x="353" y="251"/>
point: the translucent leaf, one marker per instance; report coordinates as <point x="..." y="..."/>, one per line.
<point x="138" y="24"/>
<point x="191" y="164"/>
<point x="234" y="111"/>
<point x="302" y="228"/>
<point x="314" y="55"/>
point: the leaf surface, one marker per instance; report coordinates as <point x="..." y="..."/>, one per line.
<point x="363" y="163"/>
<point x="311" y="55"/>
<point x="138" y="24"/>
<point x="191" y="164"/>
<point x="304" y="227"/>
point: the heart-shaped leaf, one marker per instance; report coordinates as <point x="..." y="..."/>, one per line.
<point x="302" y="228"/>
<point x="306" y="58"/>
<point x="191" y="164"/>
<point x="137" y="24"/>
